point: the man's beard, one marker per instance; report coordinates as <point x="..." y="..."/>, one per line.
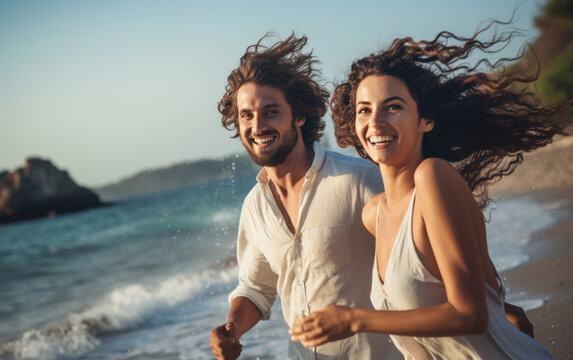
<point x="277" y="156"/>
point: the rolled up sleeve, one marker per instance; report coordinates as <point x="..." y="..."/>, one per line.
<point x="257" y="281"/>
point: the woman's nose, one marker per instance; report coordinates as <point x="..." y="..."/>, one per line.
<point x="377" y="118"/>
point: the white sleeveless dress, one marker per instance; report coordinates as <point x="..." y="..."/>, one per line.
<point x="409" y="285"/>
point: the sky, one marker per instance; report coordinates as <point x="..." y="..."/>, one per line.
<point x="105" y="89"/>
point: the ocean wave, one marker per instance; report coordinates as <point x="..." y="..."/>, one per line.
<point x="225" y="216"/>
<point x="122" y="309"/>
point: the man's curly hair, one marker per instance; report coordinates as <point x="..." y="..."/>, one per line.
<point x="286" y="67"/>
<point x="483" y="122"/>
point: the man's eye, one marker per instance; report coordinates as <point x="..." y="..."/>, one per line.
<point x="271" y="112"/>
<point x="246" y="116"/>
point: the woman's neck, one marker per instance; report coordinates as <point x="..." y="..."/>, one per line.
<point x="399" y="180"/>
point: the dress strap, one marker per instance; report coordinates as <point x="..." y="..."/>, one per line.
<point x="378" y="213"/>
<point x="412" y="199"/>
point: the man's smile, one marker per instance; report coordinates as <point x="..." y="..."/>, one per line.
<point x="263" y="140"/>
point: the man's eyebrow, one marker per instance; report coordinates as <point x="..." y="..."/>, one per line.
<point x="271" y="106"/>
<point x="242" y="109"/>
<point x="264" y="107"/>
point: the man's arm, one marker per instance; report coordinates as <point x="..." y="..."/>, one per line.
<point x="252" y="299"/>
<point x="243" y="315"/>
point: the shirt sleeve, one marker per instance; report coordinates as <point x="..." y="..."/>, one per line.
<point x="257" y="281"/>
<point x="371" y="183"/>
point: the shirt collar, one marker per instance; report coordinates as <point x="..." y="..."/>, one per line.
<point x="317" y="162"/>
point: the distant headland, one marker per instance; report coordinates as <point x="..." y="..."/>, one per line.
<point x="185" y="174"/>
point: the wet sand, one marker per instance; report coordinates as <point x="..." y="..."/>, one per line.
<point x="547" y="176"/>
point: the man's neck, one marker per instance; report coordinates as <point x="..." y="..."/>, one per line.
<point x="287" y="176"/>
<point x="287" y="180"/>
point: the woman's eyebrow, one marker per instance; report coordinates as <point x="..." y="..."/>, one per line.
<point x="392" y="98"/>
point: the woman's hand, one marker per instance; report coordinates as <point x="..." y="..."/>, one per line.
<point x="329" y="324"/>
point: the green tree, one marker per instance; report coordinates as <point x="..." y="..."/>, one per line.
<point x="562" y="8"/>
<point x="556" y="83"/>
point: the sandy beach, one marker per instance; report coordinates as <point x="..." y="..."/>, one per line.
<point x="547" y="176"/>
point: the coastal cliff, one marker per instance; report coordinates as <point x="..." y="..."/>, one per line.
<point x="41" y="189"/>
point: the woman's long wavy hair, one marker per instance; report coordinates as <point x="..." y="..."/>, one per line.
<point x="285" y="66"/>
<point x="483" y="122"/>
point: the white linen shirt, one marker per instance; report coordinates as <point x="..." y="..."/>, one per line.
<point x="327" y="261"/>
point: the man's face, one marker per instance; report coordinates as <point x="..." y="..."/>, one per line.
<point x="267" y="128"/>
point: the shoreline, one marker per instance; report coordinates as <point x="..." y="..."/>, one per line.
<point x="547" y="275"/>
<point x="545" y="279"/>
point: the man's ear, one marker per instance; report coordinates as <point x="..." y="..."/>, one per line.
<point x="299" y="121"/>
<point x="426" y="125"/>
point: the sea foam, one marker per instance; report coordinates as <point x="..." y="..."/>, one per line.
<point x="122" y="309"/>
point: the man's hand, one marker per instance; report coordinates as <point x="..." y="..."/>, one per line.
<point x="517" y="317"/>
<point x="225" y="342"/>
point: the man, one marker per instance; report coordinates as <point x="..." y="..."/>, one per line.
<point x="300" y="232"/>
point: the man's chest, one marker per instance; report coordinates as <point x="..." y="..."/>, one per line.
<point x="322" y="237"/>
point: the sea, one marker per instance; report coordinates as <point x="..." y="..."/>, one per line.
<point x="148" y="277"/>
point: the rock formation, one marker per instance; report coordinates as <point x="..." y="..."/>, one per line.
<point x="40" y="189"/>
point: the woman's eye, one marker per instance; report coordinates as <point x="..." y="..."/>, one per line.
<point x="246" y="116"/>
<point x="394" y="107"/>
<point x="363" y="110"/>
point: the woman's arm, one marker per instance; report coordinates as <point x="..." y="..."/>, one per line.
<point x="444" y="201"/>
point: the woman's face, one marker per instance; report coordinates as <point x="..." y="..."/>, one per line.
<point x="387" y="121"/>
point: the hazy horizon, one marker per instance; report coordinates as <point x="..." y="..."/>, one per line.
<point x="110" y="88"/>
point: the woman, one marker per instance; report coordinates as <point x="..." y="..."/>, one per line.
<point x="413" y="110"/>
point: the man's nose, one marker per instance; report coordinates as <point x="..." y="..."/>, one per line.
<point x="258" y="123"/>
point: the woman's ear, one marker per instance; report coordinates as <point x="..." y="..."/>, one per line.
<point x="426" y="125"/>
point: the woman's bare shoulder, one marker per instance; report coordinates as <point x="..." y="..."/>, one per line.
<point x="440" y="174"/>
<point x="439" y="184"/>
